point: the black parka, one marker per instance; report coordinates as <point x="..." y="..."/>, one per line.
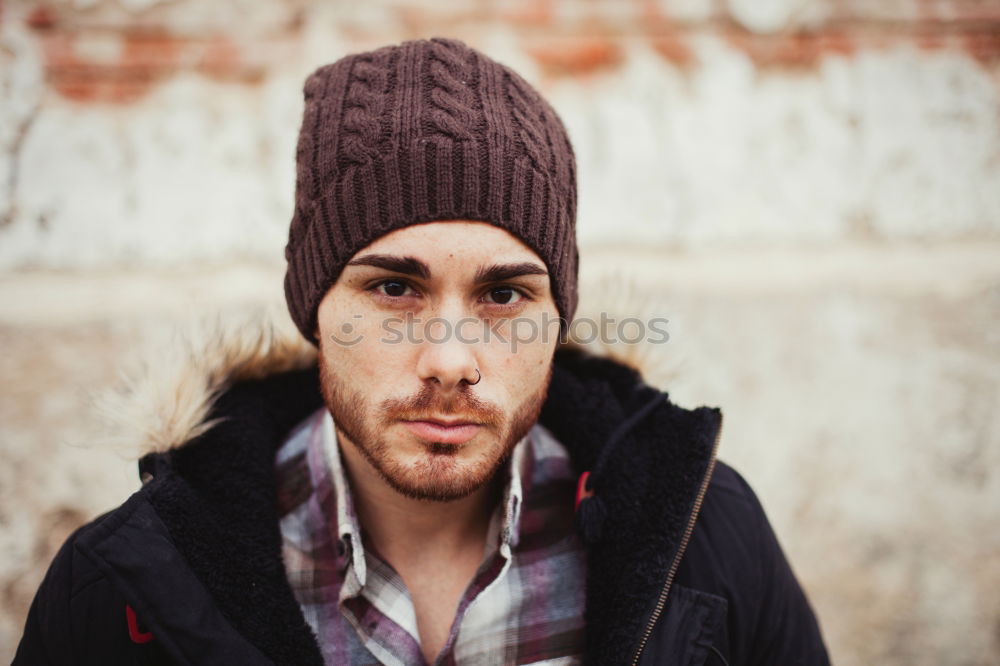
<point x="682" y="569"/>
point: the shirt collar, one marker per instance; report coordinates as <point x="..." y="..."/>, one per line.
<point x="348" y="529"/>
<point x="505" y="528"/>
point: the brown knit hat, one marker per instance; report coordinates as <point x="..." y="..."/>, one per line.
<point x="424" y="131"/>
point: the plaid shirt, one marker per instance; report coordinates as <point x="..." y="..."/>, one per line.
<point x="523" y="606"/>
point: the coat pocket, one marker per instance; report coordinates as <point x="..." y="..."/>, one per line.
<point x="690" y="632"/>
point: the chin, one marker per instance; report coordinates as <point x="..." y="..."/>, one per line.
<point x="440" y="472"/>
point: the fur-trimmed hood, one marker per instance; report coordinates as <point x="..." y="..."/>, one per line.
<point x="165" y="398"/>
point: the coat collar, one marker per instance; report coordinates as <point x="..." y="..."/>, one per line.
<point x="650" y="487"/>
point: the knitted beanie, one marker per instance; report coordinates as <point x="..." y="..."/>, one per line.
<point x="425" y="131"/>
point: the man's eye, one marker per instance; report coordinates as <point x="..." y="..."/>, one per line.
<point x="504" y="295"/>
<point x="393" y="288"/>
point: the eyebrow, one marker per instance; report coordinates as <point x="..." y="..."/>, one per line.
<point x="389" y="262"/>
<point x="412" y="266"/>
<point x="501" y="272"/>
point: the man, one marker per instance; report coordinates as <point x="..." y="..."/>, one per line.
<point x="443" y="482"/>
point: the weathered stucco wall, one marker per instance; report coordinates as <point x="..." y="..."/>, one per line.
<point x="807" y="189"/>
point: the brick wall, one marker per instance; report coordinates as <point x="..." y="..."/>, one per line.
<point x="807" y="189"/>
<point x="129" y="126"/>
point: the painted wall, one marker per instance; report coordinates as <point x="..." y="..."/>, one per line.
<point x="808" y="189"/>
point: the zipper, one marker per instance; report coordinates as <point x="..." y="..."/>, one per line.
<point x="662" y="601"/>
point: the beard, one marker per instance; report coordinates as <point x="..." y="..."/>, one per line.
<point x="442" y="472"/>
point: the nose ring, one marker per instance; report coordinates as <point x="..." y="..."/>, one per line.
<point x="479" y="377"/>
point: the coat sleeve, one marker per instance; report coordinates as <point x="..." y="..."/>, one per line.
<point x="786" y="628"/>
<point x="47" y="631"/>
<point x="77" y="617"/>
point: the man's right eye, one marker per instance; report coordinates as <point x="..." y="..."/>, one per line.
<point x="392" y="288"/>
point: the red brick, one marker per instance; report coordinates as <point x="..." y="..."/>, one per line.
<point x="673" y="49"/>
<point x="666" y="38"/>
<point x="145" y="59"/>
<point x="983" y="46"/>
<point x="794" y="50"/>
<point x="41" y="18"/>
<point x="223" y="61"/>
<point x="529" y="13"/>
<point x="576" y="56"/>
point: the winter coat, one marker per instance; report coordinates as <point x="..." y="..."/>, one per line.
<point x="682" y="565"/>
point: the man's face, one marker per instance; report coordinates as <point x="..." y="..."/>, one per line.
<point x="436" y="347"/>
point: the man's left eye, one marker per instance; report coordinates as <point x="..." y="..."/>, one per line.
<point x="504" y="295"/>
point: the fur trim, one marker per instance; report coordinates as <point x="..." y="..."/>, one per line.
<point x="617" y="297"/>
<point x="165" y="399"/>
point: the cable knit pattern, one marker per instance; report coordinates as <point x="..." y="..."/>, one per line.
<point x="424" y="131"/>
<point x="363" y="110"/>
<point x="527" y="115"/>
<point x="453" y="111"/>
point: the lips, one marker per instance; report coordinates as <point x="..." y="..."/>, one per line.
<point x="454" y="432"/>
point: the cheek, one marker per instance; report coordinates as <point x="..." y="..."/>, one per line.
<point x="357" y="344"/>
<point x="376" y="357"/>
<point x="524" y="371"/>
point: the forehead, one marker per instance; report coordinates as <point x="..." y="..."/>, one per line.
<point x="468" y="241"/>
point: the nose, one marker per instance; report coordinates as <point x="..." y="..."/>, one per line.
<point x="447" y="355"/>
